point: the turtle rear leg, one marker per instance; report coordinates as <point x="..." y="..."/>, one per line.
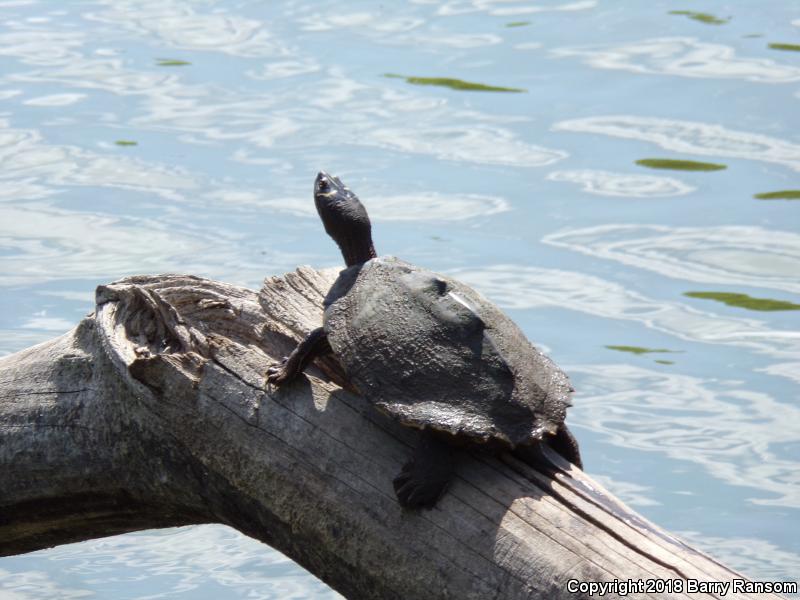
<point x="424" y="478"/>
<point x="316" y="344"/>
<point x="566" y="445"/>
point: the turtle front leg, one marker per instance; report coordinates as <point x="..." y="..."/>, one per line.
<point x="316" y="344"/>
<point x="424" y="478"/>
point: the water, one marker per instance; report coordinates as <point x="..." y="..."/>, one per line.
<point x="169" y="136"/>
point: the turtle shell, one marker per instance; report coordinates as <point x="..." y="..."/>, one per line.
<point x="433" y="353"/>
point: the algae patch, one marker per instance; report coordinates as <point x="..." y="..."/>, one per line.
<point x="745" y="301"/>
<point x="518" y="23"/>
<point x="126" y="143"/>
<point x="779" y="195"/>
<point x="706" y="18"/>
<point x="639" y="349"/>
<point x="679" y="165"/>
<point x="788" y="47"/>
<point x="455" y="84"/>
<point x="172" y="62"/>
<point x="665" y="362"/>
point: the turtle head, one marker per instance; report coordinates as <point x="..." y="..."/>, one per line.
<point x="345" y="219"/>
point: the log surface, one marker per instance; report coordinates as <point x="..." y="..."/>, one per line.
<point x="153" y="412"/>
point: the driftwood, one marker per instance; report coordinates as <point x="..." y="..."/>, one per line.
<point x="153" y="412"/>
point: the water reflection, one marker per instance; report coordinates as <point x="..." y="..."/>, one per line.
<point x="731" y="431"/>
<point x="180" y="25"/>
<point x="400" y="121"/>
<point x="12" y="340"/>
<point x="37" y="236"/>
<point x="748" y="555"/>
<point x="421" y="206"/>
<point x="28" y="45"/>
<point x="683" y="56"/>
<point x="477" y="144"/>
<point x="383" y="26"/>
<point x="207" y="561"/>
<point x="43" y="243"/>
<point x="521" y="287"/>
<point x="36" y="585"/>
<point x="40" y="321"/>
<point x="55" y="100"/>
<point x="787" y="369"/>
<point x="360" y="21"/>
<point x="30" y="165"/>
<point x="505" y="8"/>
<point x="694" y="137"/>
<point x="731" y="255"/>
<point x="631" y="494"/>
<point x="280" y="69"/>
<point x="606" y="183"/>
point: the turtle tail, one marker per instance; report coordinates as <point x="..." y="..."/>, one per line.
<point x="563" y="442"/>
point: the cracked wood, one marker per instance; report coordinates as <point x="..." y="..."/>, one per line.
<point x="153" y="412"/>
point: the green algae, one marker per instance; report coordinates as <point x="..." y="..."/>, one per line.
<point x="454" y="84"/>
<point x="779" y="195"/>
<point x="679" y="165"/>
<point x="745" y="301"/>
<point x="518" y="23"/>
<point x="172" y="62"/>
<point x="789" y="47"/>
<point x="639" y="349"/>
<point x="665" y="362"/>
<point x="126" y="143"/>
<point x="706" y="18"/>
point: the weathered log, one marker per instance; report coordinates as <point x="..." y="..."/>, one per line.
<point x="153" y="412"/>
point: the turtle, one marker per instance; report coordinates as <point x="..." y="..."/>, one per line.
<point x="431" y="352"/>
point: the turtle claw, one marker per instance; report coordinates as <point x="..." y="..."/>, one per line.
<point x="278" y="373"/>
<point x="415" y="488"/>
<point x="424" y="478"/>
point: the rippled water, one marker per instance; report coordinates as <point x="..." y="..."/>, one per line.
<point x="177" y="136"/>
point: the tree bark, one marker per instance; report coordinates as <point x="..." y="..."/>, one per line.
<point x="153" y="412"/>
